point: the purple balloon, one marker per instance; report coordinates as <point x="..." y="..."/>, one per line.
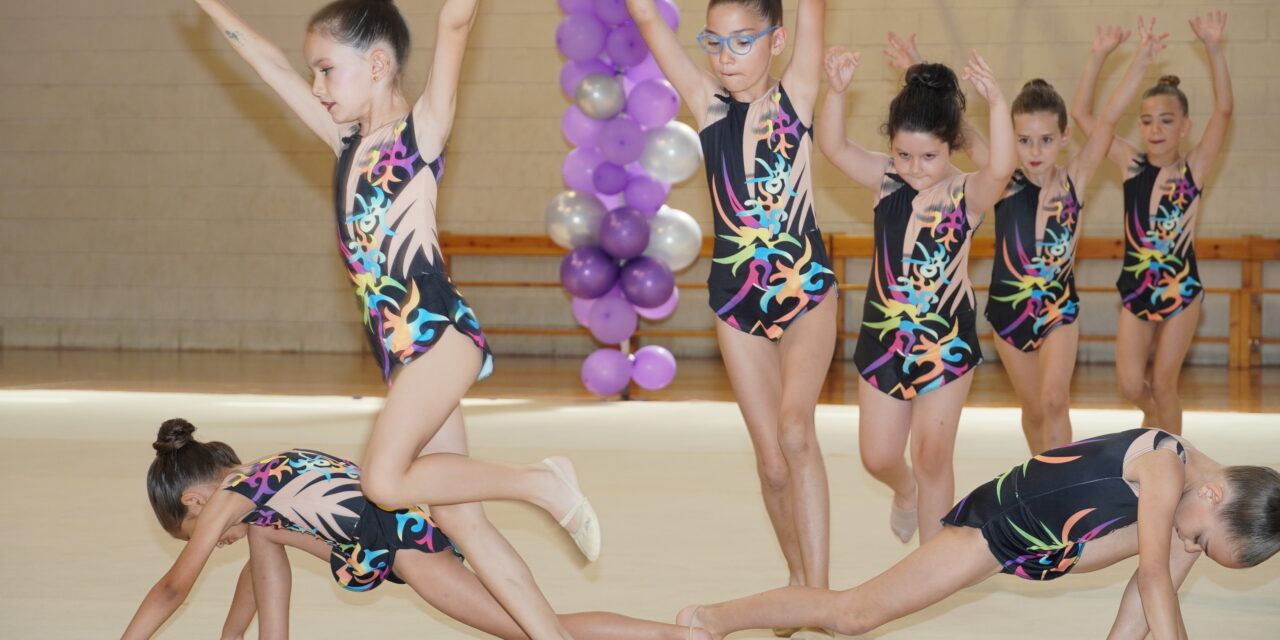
<point x="654" y="367"/>
<point x="648" y="69"/>
<point x="581" y="308"/>
<point x="670" y="12"/>
<point x="611" y="202"/>
<point x="588" y="272"/>
<point x="579" y="128"/>
<point x="610" y="179"/>
<point x="612" y="320"/>
<point x="579" y="167"/>
<point x="581" y="36"/>
<point x="625" y="46"/>
<point x="624" y="233"/>
<point x="621" y="140"/>
<point x="577" y="6"/>
<point x="612" y="12"/>
<point x="606" y="372"/>
<point x="574" y="71"/>
<point x="645" y="194"/>
<point x="663" y="310"/>
<point x="647" y="282"/>
<point x="653" y="103"/>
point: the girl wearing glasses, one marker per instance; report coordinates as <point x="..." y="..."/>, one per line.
<point x="918" y="343"/>
<point x="771" y="285"/>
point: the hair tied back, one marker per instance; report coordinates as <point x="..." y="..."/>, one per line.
<point x="174" y="434"/>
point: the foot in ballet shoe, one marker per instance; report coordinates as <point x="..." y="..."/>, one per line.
<point x="688" y="618"/>
<point x="812" y="633"/>
<point x="903" y="522"/>
<point x="586" y="533"/>
<point x="785" y="632"/>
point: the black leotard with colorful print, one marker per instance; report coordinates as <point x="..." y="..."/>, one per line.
<point x="386" y="233"/>
<point x="919" y="327"/>
<point x="318" y="494"/>
<point x="770" y="262"/>
<point x="1160" y="276"/>
<point x="1038" y="516"/>
<point x="1033" y="283"/>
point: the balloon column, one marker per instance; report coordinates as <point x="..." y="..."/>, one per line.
<point x="624" y="243"/>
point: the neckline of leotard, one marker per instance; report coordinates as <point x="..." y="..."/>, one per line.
<point x="727" y="96"/>
<point x="357" y="137"/>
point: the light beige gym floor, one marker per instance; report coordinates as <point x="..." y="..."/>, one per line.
<point x="674" y="483"/>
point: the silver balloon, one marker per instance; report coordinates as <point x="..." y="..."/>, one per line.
<point x="672" y="152"/>
<point x="674" y="238"/>
<point x="573" y="219"/>
<point x="601" y="96"/>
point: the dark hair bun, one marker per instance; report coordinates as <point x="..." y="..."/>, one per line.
<point x="933" y="76"/>
<point x="174" y="434"/>
<point x="1038" y="83"/>
<point x="1172" y="81"/>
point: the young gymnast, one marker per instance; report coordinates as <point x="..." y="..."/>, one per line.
<point x="422" y="333"/>
<point x="201" y="493"/>
<point x="771" y="285"/>
<point x="1160" y="285"/>
<point x="1033" y="304"/>
<point x="919" y="339"/>
<point x="1070" y="509"/>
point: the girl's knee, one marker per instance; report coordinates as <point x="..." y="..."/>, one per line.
<point x="1053" y="401"/>
<point x="881" y="463"/>
<point x="775" y="475"/>
<point x="457" y="519"/>
<point x="1164" y="390"/>
<point x="796" y="436"/>
<point x="381" y="489"/>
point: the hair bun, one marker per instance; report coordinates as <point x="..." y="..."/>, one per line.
<point x="174" y="434"/>
<point x="1037" y="83"/>
<point x="1172" y="81"/>
<point x="932" y="75"/>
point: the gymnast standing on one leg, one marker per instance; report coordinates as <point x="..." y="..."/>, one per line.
<point x="423" y="335"/>
<point x="918" y="343"/>
<point x="771" y="285"/>
<point x="1160" y="285"/>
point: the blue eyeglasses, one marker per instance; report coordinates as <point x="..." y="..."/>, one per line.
<point x="739" y="45"/>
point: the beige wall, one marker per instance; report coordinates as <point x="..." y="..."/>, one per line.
<point x="154" y="193"/>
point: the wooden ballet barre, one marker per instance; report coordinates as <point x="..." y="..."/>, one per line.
<point x="1244" y="338"/>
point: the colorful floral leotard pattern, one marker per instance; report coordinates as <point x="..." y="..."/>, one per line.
<point x="386" y="233"/>
<point x="770" y="263"/>
<point x="918" y="322"/>
<point x="1033" y="285"/>
<point x="1038" y="516"/>
<point x="317" y="494"/>
<point x="1160" y="276"/>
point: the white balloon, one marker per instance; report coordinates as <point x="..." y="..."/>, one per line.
<point x="672" y="152"/>
<point x="600" y="96"/>
<point x="674" y="238"/>
<point x="573" y="219"/>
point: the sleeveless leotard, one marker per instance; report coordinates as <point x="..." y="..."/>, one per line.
<point x="387" y="236"/>
<point x="319" y="495"/>
<point x="770" y="263"/>
<point x="1033" y="283"/>
<point x="1038" y="516"/>
<point x="1160" y="277"/>
<point x="918" y="322"/>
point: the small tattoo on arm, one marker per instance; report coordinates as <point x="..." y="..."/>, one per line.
<point x="235" y="38"/>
